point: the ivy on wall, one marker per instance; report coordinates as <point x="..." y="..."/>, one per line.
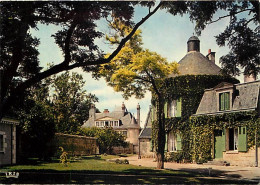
<point x="197" y="132"/>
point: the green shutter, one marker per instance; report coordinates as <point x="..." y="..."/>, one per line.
<point x="165" y="110"/>
<point x="227" y="101"/>
<point x="179" y="145"/>
<point x="221" y="101"/>
<point x="242" y="140"/>
<point x="178" y="110"/>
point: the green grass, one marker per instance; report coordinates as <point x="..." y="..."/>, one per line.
<point x="97" y="170"/>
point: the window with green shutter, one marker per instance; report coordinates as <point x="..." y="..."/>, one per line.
<point x="242" y="140"/>
<point x="179" y="144"/>
<point x="224" y="101"/>
<point x="178" y="109"/>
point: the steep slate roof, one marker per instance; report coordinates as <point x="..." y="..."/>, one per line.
<point x="127" y="119"/>
<point x="147" y="130"/>
<point x="194" y="63"/>
<point x="247" y="99"/>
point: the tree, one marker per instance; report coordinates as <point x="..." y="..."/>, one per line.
<point x="107" y="138"/>
<point x="70" y="103"/>
<point x="241" y="34"/>
<point x="134" y="71"/>
<point x="19" y="55"/>
<point x="36" y="128"/>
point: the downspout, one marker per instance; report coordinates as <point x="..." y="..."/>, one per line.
<point x="256" y="147"/>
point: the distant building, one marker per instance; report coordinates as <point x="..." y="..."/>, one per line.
<point x="120" y="120"/>
<point x="8" y="141"/>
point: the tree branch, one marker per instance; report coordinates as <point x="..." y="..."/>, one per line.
<point x="222" y="17"/>
<point x="64" y="65"/>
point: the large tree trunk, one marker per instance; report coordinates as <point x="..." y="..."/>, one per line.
<point x="161" y="134"/>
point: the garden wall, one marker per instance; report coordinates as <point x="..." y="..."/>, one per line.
<point x="123" y="150"/>
<point x="76" y="145"/>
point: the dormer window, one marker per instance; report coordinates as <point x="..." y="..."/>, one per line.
<point x="224" y="101"/>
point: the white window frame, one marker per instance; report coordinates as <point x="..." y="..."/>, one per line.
<point x="172" y="139"/>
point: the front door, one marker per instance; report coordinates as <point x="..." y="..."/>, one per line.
<point x="219" y="144"/>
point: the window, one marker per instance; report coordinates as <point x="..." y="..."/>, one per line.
<point x="172" y="107"/>
<point x="1" y="142"/>
<point x="175" y="108"/>
<point x="233" y="139"/>
<point x="172" y="142"/>
<point x="111" y="124"/>
<point x="224" y="101"/>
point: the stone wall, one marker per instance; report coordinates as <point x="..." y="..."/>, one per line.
<point x="124" y="150"/>
<point x="145" y="148"/>
<point x="241" y="158"/>
<point x="76" y="145"/>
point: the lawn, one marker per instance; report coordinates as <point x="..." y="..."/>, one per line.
<point x="97" y="170"/>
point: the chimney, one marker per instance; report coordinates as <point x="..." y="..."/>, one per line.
<point x="92" y="112"/>
<point x="249" y="78"/>
<point x="106" y="111"/>
<point x="123" y="108"/>
<point x="138" y="114"/>
<point x="211" y="56"/>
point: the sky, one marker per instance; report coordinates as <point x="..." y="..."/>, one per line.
<point x="162" y="33"/>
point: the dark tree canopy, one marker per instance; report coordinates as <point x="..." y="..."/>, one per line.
<point x="19" y="63"/>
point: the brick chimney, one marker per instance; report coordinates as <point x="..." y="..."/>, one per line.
<point x="106" y="111"/>
<point x="211" y="56"/>
<point x="249" y="78"/>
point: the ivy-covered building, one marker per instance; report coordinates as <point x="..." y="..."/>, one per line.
<point x="230" y="113"/>
<point x="183" y="93"/>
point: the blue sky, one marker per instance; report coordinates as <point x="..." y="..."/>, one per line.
<point x="163" y="33"/>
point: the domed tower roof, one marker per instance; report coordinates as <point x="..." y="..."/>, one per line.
<point x="194" y="63"/>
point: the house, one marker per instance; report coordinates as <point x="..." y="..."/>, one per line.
<point x="234" y="141"/>
<point x="8" y="141"/>
<point x="184" y="92"/>
<point x="119" y="119"/>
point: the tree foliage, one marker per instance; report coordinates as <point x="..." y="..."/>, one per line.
<point x="134" y="71"/>
<point x="70" y="103"/>
<point x="107" y="138"/>
<point x="58" y="104"/>
<point x="19" y="61"/>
